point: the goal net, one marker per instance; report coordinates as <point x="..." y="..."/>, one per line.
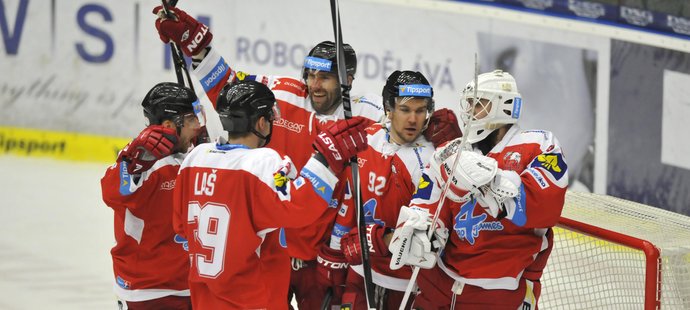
<point x="611" y="253"/>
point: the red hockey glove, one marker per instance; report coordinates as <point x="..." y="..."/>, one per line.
<point x="188" y="33"/>
<point x="341" y="141"/>
<point x="152" y="144"/>
<point x="443" y="127"/>
<point x="332" y="270"/>
<point x="353" y="249"/>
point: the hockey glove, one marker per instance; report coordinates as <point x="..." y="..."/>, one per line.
<point x="152" y="144"/>
<point x="341" y="141"/>
<point x="443" y="127"/>
<point x="497" y="196"/>
<point x="331" y="270"/>
<point x="472" y="172"/>
<point x="410" y="244"/>
<point x="352" y="248"/>
<point x="188" y="33"/>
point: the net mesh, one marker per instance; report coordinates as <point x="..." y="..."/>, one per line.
<point x="588" y="272"/>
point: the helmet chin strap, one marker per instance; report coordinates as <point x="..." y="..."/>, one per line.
<point x="266" y="138"/>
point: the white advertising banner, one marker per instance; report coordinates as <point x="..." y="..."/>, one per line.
<point x="83" y="66"/>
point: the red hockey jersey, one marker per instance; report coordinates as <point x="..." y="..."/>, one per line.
<point x="149" y="259"/>
<point x="293" y="134"/>
<point x="227" y="198"/>
<point x="495" y="253"/>
<point x="390" y="176"/>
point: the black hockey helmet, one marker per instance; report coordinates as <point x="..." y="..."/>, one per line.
<point x="407" y="84"/>
<point x="242" y="103"/>
<point x="323" y="58"/>
<point x="168" y="101"/>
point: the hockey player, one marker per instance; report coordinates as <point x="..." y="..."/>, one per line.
<point x="149" y="260"/>
<point x="229" y="195"/>
<point x="307" y="104"/>
<point x="391" y="170"/>
<point x="506" y="193"/>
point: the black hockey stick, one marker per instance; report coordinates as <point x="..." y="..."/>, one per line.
<point x="176" y="51"/>
<point x="326" y="304"/>
<point x="361" y="225"/>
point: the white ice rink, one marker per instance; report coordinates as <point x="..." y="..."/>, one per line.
<point x="55" y="236"/>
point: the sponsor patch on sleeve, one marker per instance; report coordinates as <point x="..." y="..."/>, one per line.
<point x="538" y="178"/>
<point x="125" y="180"/>
<point x="215" y="75"/>
<point x="553" y="163"/>
<point x="280" y="181"/>
<point x="321" y="188"/>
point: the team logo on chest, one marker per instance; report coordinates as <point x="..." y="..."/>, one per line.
<point x="468" y="226"/>
<point x="511" y="160"/>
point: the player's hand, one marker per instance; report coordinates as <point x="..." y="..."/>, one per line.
<point x="496" y="197"/>
<point x="331" y="270"/>
<point x="410" y="244"/>
<point x="152" y="144"/>
<point x="443" y="127"/>
<point x="188" y="33"/>
<point x="472" y="172"/>
<point x="352" y="248"/>
<point x="341" y="141"/>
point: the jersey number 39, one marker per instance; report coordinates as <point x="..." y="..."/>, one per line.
<point x="211" y="233"/>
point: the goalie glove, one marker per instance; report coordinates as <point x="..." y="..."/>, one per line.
<point x="471" y="173"/>
<point x="497" y="196"/>
<point x="410" y="244"/>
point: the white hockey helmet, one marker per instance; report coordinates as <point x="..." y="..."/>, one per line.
<point x="499" y="103"/>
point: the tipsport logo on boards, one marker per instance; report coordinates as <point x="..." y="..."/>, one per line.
<point x="415" y="90"/>
<point x="316" y="63"/>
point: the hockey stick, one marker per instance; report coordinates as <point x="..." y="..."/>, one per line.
<point x="361" y="224"/>
<point x="325" y="305"/>
<point x="449" y="151"/>
<point x="176" y="51"/>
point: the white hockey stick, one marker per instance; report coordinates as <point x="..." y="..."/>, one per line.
<point x="449" y="151"/>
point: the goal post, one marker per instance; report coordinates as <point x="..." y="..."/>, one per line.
<point x="611" y="253"/>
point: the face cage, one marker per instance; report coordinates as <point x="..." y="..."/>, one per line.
<point x="488" y="103"/>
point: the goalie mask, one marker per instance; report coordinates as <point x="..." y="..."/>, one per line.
<point x="241" y="104"/>
<point x="498" y="103"/>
